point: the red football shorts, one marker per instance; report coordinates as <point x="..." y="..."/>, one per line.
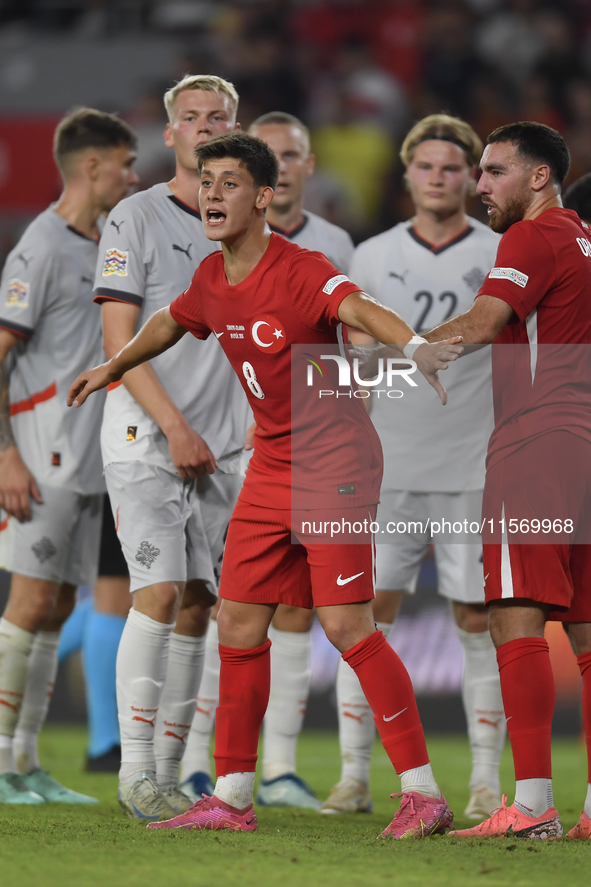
<point x="277" y="556"/>
<point x="537" y="526"/>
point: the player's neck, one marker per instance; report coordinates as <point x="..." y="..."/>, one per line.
<point x="438" y="229"/>
<point x="185" y="186"/>
<point x="286" y="218"/>
<point x="243" y="254"/>
<point x="79" y="211"/>
<point x="551" y="200"/>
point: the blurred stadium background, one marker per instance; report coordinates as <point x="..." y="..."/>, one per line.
<point x="358" y="72"/>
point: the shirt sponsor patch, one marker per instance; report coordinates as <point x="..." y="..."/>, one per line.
<point x="17" y="293"/>
<point x="331" y="285"/>
<point x="115" y="263"/>
<point x="510" y="274"/>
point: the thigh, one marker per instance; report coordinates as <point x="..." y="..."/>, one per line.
<point x="211" y="498"/>
<point x="111" y="558"/>
<point x="261" y="565"/>
<point x="340" y="573"/>
<point x="580" y="570"/>
<point x="399" y="552"/>
<point x="460" y="576"/>
<point x="151" y="514"/>
<point x="39" y="548"/>
<point x="83" y="555"/>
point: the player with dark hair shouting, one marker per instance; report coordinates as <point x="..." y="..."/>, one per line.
<point x="259" y="296"/>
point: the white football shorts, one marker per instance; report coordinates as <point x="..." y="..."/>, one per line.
<point x="171" y="530"/>
<point x="459" y="563"/>
<point x="61" y="541"/>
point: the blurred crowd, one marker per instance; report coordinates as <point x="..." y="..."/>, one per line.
<point x="358" y="72"/>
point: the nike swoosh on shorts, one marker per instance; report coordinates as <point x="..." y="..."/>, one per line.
<point x="341" y="581"/>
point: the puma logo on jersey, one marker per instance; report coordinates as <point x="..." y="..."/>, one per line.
<point x="181" y="249"/>
<point x="117" y="225"/>
<point x="26" y="262"/>
<point x="401" y="277"/>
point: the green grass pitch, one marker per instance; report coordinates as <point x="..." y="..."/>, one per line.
<point x="55" y="846"/>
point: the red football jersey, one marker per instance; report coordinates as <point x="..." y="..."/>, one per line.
<point x="541" y="360"/>
<point x="292" y="297"/>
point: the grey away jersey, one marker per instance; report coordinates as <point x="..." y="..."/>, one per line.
<point x="428" y="447"/>
<point x="316" y="233"/>
<point x="150" y="248"/>
<point x="46" y="300"/>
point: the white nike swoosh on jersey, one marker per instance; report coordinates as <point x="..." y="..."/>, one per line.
<point x="397" y="715"/>
<point x="341" y="581"/>
<point x="217" y="335"/>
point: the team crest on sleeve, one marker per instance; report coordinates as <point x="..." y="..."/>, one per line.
<point x="17" y="293"/>
<point x="331" y="285"/>
<point x="267" y="333"/>
<point x="509" y="274"/>
<point x="115" y="263"/>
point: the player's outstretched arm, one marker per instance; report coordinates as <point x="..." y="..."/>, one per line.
<point x="17" y="483"/>
<point x="481" y="325"/>
<point x="362" y="312"/>
<point x="158" y="334"/>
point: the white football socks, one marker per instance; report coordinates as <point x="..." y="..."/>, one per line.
<point x="421" y="780"/>
<point x="483" y="706"/>
<point x="141" y="672"/>
<point x="291" y="672"/>
<point x="533" y="796"/>
<point x="15" y="648"/>
<point x="356" y="723"/>
<point x="41" y="672"/>
<point x="197" y="758"/>
<point x="177" y="704"/>
<point x="587" y="807"/>
<point x="236" y="789"/>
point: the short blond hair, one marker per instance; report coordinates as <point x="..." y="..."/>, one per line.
<point x="205" y="82"/>
<point x="445" y="128"/>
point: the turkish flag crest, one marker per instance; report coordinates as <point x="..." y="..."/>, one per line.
<point x="267" y="333"/>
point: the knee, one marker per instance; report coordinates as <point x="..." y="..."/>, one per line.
<point x="294" y="619"/>
<point x="31" y="602"/>
<point x="472" y="618"/>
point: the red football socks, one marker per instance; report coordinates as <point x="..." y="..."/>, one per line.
<point x="527" y="685"/>
<point x="584" y="662"/>
<point x="245" y="680"/>
<point x="389" y="691"/>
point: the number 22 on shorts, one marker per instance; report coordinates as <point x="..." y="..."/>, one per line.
<point x="251" y="380"/>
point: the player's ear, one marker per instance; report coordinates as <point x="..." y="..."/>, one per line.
<point x="168" y="136"/>
<point x="237" y="127"/>
<point x="92" y="166"/>
<point x="541" y="176"/>
<point x="264" y="197"/>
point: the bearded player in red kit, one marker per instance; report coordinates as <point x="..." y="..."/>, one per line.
<point x="534" y="305"/>
<point x="259" y="295"/>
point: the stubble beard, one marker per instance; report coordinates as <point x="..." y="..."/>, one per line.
<point x="513" y="211"/>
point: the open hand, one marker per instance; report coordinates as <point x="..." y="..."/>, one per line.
<point x="430" y="358"/>
<point x="89" y="381"/>
<point x="17" y="484"/>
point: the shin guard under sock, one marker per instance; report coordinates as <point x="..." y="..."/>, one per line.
<point x="245" y="681"/>
<point x="389" y="691"/>
<point x="527" y="684"/>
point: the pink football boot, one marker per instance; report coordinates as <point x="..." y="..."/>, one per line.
<point x="419" y="816"/>
<point x="211" y="813"/>
<point x="507" y="822"/>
